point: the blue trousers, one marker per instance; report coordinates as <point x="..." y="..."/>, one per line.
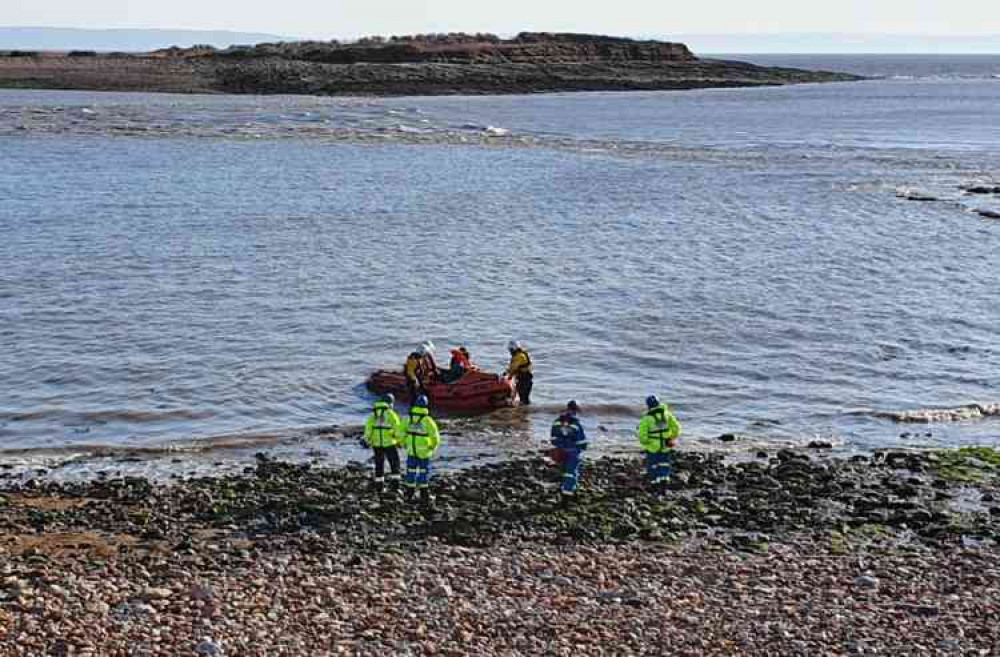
<point x="572" y="458"/>
<point x="659" y="466"/>
<point x="418" y="472"/>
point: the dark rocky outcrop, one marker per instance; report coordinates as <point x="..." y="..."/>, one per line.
<point x="982" y="189"/>
<point x="526" y="48"/>
<point x="429" y="64"/>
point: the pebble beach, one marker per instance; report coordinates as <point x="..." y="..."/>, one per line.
<point x="792" y="553"/>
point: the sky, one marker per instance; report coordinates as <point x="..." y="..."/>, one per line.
<point x="325" y="19"/>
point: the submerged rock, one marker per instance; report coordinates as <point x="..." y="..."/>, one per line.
<point x="913" y="195"/>
<point x="982" y="189"/>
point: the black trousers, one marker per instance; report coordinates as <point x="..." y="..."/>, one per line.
<point x="523" y="385"/>
<point x="415" y="389"/>
<point x="381" y="454"/>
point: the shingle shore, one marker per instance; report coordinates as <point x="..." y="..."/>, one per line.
<point x="790" y="555"/>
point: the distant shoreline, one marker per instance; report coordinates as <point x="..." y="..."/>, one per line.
<point x="404" y="66"/>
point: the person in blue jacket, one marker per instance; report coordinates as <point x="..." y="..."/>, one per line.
<point x="569" y="442"/>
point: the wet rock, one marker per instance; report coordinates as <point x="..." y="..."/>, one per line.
<point x="982" y="189"/>
<point x="820" y="444"/>
<point x="679" y="480"/>
<point x="914" y="195"/>
<point x="866" y="582"/>
<point x="785" y="455"/>
<point x="988" y="214"/>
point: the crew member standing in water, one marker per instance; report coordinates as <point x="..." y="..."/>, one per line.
<point x="382" y="436"/>
<point x="658" y="432"/>
<point x="569" y="442"/>
<point x="521" y="370"/>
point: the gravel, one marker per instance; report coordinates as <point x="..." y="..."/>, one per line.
<point x="737" y="559"/>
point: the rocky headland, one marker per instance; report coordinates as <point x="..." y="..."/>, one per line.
<point x="788" y="553"/>
<point x="421" y="65"/>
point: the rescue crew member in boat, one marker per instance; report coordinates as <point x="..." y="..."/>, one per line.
<point x="458" y="367"/>
<point x="413" y="369"/>
<point x="430" y="368"/>
<point x="420" y="370"/>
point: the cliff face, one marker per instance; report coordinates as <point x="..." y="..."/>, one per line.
<point x="435" y="64"/>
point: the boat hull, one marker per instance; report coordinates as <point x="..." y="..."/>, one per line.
<point x="474" y="394"/>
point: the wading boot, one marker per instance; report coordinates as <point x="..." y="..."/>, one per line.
<point x="408" y="494"/>
<point x="426" y="501"/>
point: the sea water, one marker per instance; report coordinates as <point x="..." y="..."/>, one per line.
<point x="217" y="275"/>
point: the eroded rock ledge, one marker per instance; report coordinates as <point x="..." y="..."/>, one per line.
<point x="434" y="64"/>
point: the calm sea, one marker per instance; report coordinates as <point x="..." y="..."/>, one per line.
<point x="195" y="278"/>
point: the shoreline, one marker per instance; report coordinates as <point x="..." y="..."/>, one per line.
<point x="925" y="491"/>
<point x="830" y="554"/>
<point x="542" y="64"/>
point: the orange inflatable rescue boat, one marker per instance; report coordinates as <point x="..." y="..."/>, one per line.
<point x="474" y="394"/>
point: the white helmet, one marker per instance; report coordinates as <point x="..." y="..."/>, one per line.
<point x="513" y="345"/>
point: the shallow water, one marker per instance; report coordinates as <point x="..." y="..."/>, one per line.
<point x="216" y="271"/>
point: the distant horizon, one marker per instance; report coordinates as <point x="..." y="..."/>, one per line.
<point x="40" y="37"/>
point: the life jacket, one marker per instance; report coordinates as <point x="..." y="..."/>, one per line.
<point x="414" y="367"/>
<point x="381" y="426"/>
<point x="420" y="434"/>
<point x="460" y="359"/>
<point x="524" y="367"/>
<point x="658" y="428"/>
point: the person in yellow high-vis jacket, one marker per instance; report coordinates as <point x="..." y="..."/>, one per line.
<point x="521" y="370"/>
<point x="420" y="437"/>
<point x="382" y="436"/>
<point x="658" y="433"/>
